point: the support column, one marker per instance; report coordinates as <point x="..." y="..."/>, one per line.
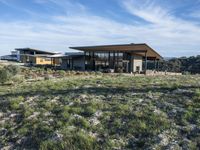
<point x="145" y="71"/>
<point x="158" y="65"/>
<point x="72" y="63"/>
<point x="114" y="59"/>
<point x="109" y="59"/>
<point x="84" y="61"/>
<point x="131" y="63"/>
<point x="93" y="62"/>
<point x="155" y="64"/>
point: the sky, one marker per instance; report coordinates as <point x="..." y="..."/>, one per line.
<point x="171" y="27"/>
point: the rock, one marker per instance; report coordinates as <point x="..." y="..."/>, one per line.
<point x="134" y="94"/>
<point x="98" y="113"/>
<point x="94" y="135"/>
<point x="57" y="137"/>
<point x="157" y="111"/>
<point x="13" y="115"/>
<point x="9" y="146"/>
<point x="87" y="86"/>
<point x="1" y="115"/>
<point x="22" y="140"/>
<point x="46" y="114"/>
<point x="30" y="99"/>
<point x="51" y="120"/>
<point x="140" y="100"/>
<point x="94" y="121"/>
<point x="83" y="96"/>
<point x="55" y="99"/>
<point x="98" y="85"/>
<point x="3" y="121"/>
<point x="181" y="91"/>
<point x="164" y="140"/>
<point x="150" y="95"/>
<point x="3" y="131"/>
<point x="71" y="104"/>
<point x="77" y="116"/>
<point x="173" y="146"/>
<point x="35" y="114"/>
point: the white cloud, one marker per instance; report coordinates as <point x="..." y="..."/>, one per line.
<point x="169" y="35"/>
<point x="164" y="26"/>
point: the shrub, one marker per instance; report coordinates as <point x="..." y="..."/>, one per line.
<point x="197" y="93"/>
<point x="52" y="145"/>
<point x="18" y="79"/>
<point x="4" y="75"/>
<point x="88" y="111"/>
<point x="61" y="73"/>
<point x="7" y="72"/>
<point x="12" y="69"/>
<point x="14" y="103"/>
<point x="186" y="73"/>
<point x="81" y="123"/>
<point x="73" y="141"/>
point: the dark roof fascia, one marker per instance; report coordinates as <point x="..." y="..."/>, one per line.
<point x="154" y="51"/>
<point x="99" y="46"/>
<point x="36" y="50"/>
<point x="83" y="48"/>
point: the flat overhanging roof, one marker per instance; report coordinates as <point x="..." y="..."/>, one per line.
<point x="36" y="50"/>
<point x="138" y="49"/>
<point x="67" y="55"/>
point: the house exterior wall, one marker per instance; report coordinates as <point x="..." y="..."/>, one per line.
<point x="31" y="57"/>
<point x="35" y="60"/>
<point x="27" y="59"/>
<point x="64" y="64"/>
<point x="73" y="63"/>
<point x="137" y="64"/>
<point x="79" y="63"/>
<point x="56" y="61"/>
<point x="43" y="61"/>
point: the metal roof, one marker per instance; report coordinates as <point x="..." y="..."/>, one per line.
<point x="36" y="50"/>
<point x="72" y="54"/>
<point x="138" y="49"/>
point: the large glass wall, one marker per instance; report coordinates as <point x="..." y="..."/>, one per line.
<point x="100" y="61"/>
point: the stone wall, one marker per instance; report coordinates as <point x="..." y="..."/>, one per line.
<point x="152" y="72"/>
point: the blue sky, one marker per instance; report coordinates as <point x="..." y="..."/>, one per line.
<point x="172" y="27"/>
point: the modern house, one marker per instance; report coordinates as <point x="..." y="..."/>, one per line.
<point x="14" y="56"/>
<point x="128" y="58"/>
<point x="36" y="57"/>
<point x="71" y="61"/>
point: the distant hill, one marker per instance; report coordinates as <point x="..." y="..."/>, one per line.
<point x="168" y="58"/>
<point x="182" y="64"/>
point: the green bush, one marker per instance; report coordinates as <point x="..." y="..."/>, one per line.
<point x="71" y="141"/>
<point x="18" y="79"/>
<point x="81" y="123"/>
<point x="14" y="103"/>
<point x="62" y="73"/>
<point x="88" y="111"/>
<point x="4" y="75"/>
<point x="52" y="145"/>
<point x="8" y="72"/>
<point x="12" y="69"/>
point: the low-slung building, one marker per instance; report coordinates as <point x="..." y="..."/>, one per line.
<point x="120" y="58"/>
<point x="36" y="57"/>
<point x="71" y="61"/>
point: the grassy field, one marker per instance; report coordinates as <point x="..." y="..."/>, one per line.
<point x="98" y="111"/>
